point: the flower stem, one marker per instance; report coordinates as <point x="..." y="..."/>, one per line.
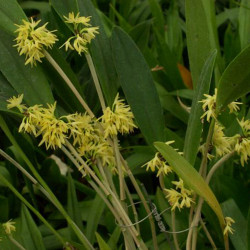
<point x="69" y="83"/>
<point x="208" y="235"/>
<point x="16" y="243"/>
<point x="96" y="81"/>
<point x="176" y="244"/>
<point x="217" y="165"/>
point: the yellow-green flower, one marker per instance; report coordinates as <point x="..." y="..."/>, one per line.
<point x="220" y="141"/>
<point x="228" y="228"/>
<point x="9" y="227"/>
<point x="209" y="106"/>
<point x="16" y="102"/>
<point x="181" y="198"/>
<point x="159" y="164"/>
<point x="31" y="40"/>
<point x="119" y="119"/>
<point x="83" y="33"/>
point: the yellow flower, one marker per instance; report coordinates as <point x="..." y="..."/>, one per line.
<point x="84" y="33"/>
<point x="158" y="163"/>
<point x="16" y="102"/>
<point x="9" y="227"/>
<point x="118" y="119"/>
<point x="241" y="143"/>
<point x="209" y="106"/>
<point x="220" y="141"/>
<point x="77" y="19"/>
<point x="228" y="227"/>
<point x="42" y="121"/>
<point x="181" y="198"/>
<point x="32" y="40"/>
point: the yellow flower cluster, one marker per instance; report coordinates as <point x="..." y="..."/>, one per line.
<point x="31" y="40"/>
<point x="87" y="133"/>
<point x="158" y="163"/>
<point x="209" y="106"/>
<point x="89" y="140"/>
<point x="221" y="143"/>
<point x="9" y="227"/>
<point x="228" y="228"/>
<point x="119" y="119"/>
<point x="84" y="33"/>
<point x="242" y="142"/>
<point x="181" y="198"/>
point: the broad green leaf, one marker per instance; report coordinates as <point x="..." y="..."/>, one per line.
<point x="30" y="234"/>
<point x="138" y="86"/>
<point x="234" y="82"/>
<point x="24" y="79"/>
<point x="101" y="242"/>
<point x="201" y="37"/>
<point x="194" y="129"/>
<point x="190" y="177"/>
<point x="239" y="237"/>
<point x="97" y="208"/>
<point x="10" y="13"/>
<point x="244" y="23"/>
<point x="73" y="206"/>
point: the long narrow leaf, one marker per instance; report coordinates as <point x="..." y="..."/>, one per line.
<point x="235" y="80"/>
<point x="190" y="177"/>
<point x="138" y="86"/>
<point x="194" y="129"/>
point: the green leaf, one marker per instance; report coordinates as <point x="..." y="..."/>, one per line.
<point x="244" y="23"/>
<point x="113" y="240"/>
<point x="170" y="104"/>
<point x="234" y="82"/>
<point x="73" y="206"/>
<point x="24" y="79"/>
<point x="10" y="13"/>
<point x="4" y="206"/>
<point x="6" y="174"/>
<point x="157" y="16"/>
<point x="30" y="234"/>
<point x="97" y="208"/>
<point x="201" y="37"/>
<point x="239" y="237"/>
<point x="194" y="129"/>
<point x="101" y="242"/>
<point x="140" y="34"/>
<point x="138" y="86"/>
<point x="190" y="177"/>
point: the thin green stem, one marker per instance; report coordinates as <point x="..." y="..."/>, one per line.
<point x="16" y="243"/>
<point x="176" y="244"/>
<point x="144" y="202"/>
<point x="12" y="188"/>
<point x="203" y="166"/>
<point x="217" y="165"/>
<point x="69" y="83"/>
<point x="208" y="235"/>
<point x="133" y="207"/>
<point x="96" y="81"/>
<point x="120" y="171"/>
<point x="108" y="192"/>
